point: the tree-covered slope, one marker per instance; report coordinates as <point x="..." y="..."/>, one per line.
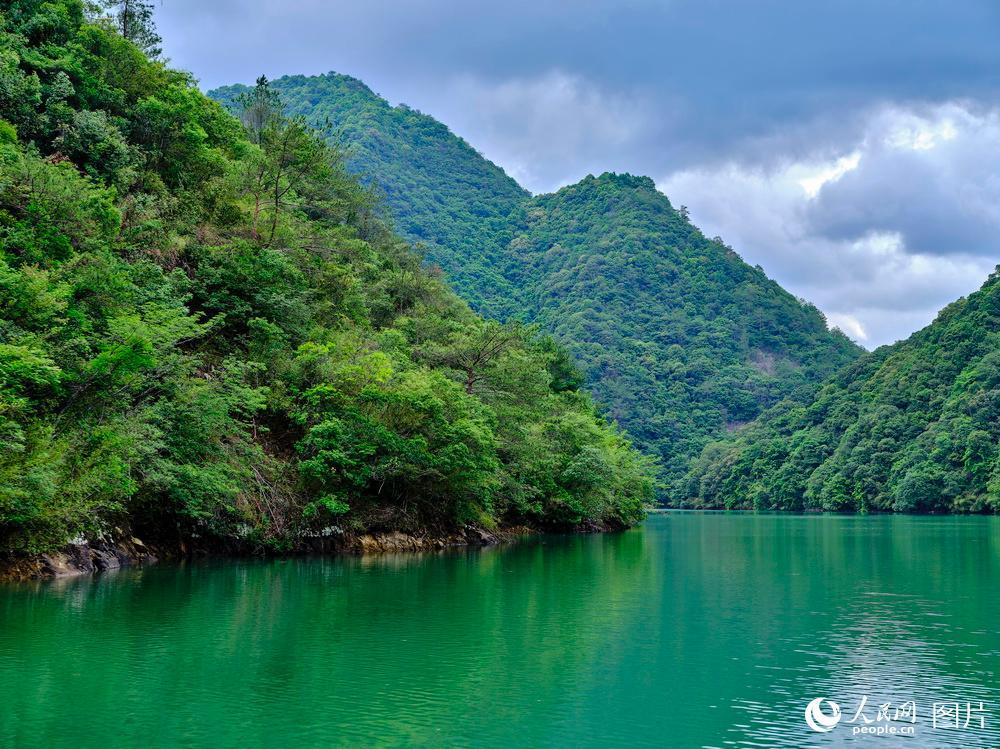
<point x="441" y="192"/>
<point x="679" y="338"/>
<point x="206" y="330"/>
<point x="912" y="427"/>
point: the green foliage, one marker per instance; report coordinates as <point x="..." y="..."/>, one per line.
<point x="133" y="19"/>
<point x="678" y="339"/>
<point x="8" y="133"/>
<point x="207" y="329"/>
<point x="911" y="427"/>
<point x="444" y="196"/>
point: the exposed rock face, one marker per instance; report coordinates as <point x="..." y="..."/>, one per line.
<point x="98" y="557"/>
<point x="80" y="559"/>
<point x="393" y="541"/>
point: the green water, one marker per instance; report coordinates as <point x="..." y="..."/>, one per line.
<point x="695" y="630"/>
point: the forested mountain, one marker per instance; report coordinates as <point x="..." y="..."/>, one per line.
<point x="912" y="427"/>
<point x="442" y="193"/>
<point x="206" y="330"/>
<point x="679" y="338"/>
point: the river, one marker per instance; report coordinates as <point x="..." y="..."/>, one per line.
<point x="695" y="630"/>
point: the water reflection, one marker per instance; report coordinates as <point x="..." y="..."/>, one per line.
<point x="698" y="630"/>
<point x="899" y="607"/>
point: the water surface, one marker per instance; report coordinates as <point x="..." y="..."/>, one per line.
<point x="697" y="630"/>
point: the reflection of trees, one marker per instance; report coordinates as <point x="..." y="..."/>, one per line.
<point x="402" y="647"/>
<point x="848" y="606"/>
<point x="618" y="637"/>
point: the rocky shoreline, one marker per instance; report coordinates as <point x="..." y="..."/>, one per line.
<point x="96" y="557"/>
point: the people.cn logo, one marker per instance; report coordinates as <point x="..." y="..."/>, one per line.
<point x="818" y="720"/>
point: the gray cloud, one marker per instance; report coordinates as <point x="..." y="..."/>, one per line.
<point x="545" y="130"/>
<point x="730" y="104"/>
<point x="932" y="176"/>
<point x="881" y="236"/>
<point x="716" y="77"/>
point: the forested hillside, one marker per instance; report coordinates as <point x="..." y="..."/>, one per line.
<point x="442" y="193"/>
<point x="912" y="427"/>
<point x="206" y="330"/>
<point x="679" y="338"/>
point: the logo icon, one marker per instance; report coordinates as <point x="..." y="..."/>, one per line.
<point x="818" y="720"/>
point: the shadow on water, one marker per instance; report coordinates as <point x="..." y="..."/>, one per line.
<point x="697" y="630"/>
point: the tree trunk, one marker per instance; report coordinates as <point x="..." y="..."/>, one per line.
<point x="256" y="217"/>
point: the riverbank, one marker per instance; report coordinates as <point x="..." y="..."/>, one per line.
<point x="96" y="557"/>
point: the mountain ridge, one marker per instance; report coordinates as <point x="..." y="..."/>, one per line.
<point x="447" y="197"/>
<point x="679" y="338"/>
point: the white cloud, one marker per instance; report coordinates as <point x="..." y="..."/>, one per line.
<point x="848" y="324"/>
<point x="918" y="133"/>
<point x="881" y="236"/>
<point x="829" y="173"/>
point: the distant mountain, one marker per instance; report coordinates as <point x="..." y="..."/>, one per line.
<point x="678" y="338"/>
<point x="912" y="427"/>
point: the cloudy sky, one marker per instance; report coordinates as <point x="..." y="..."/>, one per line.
<point x="850" y="148"/>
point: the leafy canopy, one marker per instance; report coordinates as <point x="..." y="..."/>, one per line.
<point x="208" y="328"/>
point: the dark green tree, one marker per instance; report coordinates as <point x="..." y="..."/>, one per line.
<point x="134" y="20"/>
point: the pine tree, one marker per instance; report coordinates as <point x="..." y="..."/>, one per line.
<point x="259" y="108"/>
<point x="134" y="21"/>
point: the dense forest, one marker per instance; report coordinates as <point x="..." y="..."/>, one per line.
<point x="680" y="341"/>
<point x="207" y="328"/>
<point x="911" y="427"/>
